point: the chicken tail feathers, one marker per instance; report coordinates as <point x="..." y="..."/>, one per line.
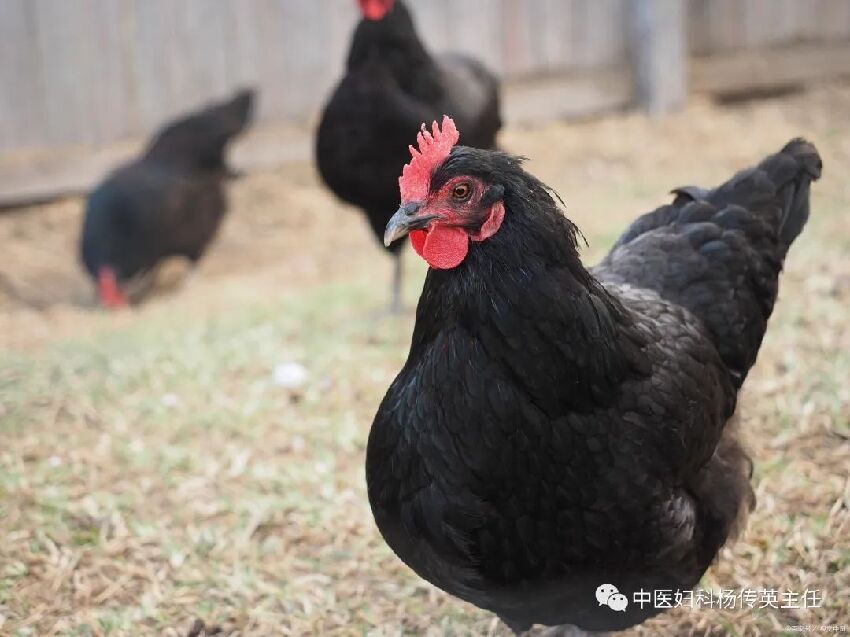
<point x="793" y="169"/>
<point x="782" y="179"/>
<point x="720" y="251"/>
<point x="199" y="140"/>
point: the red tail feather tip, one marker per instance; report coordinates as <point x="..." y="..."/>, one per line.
<point x="434" y="148"/>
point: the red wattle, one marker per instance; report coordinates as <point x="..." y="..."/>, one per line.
<point x="417" y="240"/>
<point x="445" y="247"/>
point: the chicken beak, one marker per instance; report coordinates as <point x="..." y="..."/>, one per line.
<point x="404" y="220"/>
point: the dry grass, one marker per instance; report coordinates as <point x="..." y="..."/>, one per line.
<point x="152" y="473"/>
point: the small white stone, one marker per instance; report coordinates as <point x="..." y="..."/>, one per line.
<point x="54" y="461"/>
<point x="298" y="445"/>
<point x="170" y="400"/>
<point x="177" y="558"/>
<point x="238" y="462"/>
<point x="290" y="375"/>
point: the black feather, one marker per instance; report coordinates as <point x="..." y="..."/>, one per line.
<point x="578" y="434"/>
<point x="171" y="200"/>
<point x="392" y="85"/>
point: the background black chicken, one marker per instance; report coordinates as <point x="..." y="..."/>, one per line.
<point x="557" y="428"/>
<point x="169" y="202"/>
<point x="391" y="85"/>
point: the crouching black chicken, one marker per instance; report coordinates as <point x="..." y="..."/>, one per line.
<point x="169" y="202"/>
<point x="557" y="428"/>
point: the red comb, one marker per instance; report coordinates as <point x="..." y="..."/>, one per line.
<point x="434" y="147"/>
<point x="375" y="9"/>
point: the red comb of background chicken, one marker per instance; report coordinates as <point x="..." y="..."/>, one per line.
<point x="434" y="147"/>
<point x="107" y="287"/>
<point x="375" y="9"/>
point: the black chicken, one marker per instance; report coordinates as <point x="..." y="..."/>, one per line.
<point x="169" y="202"/>
<point x="391" y="85"/>
<point x="554" y="428"/>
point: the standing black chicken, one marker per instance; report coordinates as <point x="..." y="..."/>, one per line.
<point x="391" y="85"/>
<point x="556" y="429"/>
<point x="169" y="202"/>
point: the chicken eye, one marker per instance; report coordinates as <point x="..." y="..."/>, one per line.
<point x="461" y="191"/>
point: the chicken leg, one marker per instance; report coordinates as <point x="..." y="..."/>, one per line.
<point x="395" y="294"/>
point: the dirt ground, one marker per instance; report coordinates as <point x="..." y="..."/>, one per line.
<point x="155" y="471"/>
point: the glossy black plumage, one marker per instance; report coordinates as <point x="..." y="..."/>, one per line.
<point x="392" y="85"/>
<point x="171" y="200"/>
<point x="556" y="428"/>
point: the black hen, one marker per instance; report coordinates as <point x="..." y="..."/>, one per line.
<point x="555" y="428"/>
<point x="169" y="202"/>
<point x="391" y="85"/>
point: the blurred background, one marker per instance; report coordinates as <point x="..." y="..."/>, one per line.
<point x="80" y="77"/>
<point x="201" y="456"/>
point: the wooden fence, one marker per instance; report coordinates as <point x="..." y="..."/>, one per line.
<point x="89" y="73"/>
<point x="92" y="71"/>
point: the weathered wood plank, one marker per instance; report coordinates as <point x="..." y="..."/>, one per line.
<point x="726" y="25"/>
<point x="75" y="170"/>
<point x="97" y="71"/>
<point x="566" y="96"/>
<point x="834" y="19"/>
<point x="517" y="37"/>
<point x="22" y="110"/>
<point x="150" y="55"/>
<point x="111" y="92"/>
<point x="659" y="54"/>
<point x="554" y="19"/>
<point x="477" y="31"/>
<point x="304" y="70"/>
<point x="769" y="68"/>
<point x="435" y="22"/>
<point x="608" y="30"/>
